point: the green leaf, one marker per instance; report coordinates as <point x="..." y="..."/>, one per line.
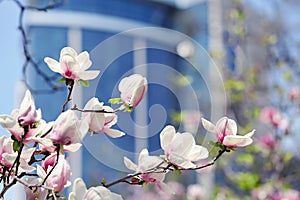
<point x="247" y="180"/>
<point x="115" y="101"/>
<point x="246" y="159"/>
<point x="16" y="145"/>
<point x="103" y="181"/>
<point x="84" y="83"/>
<point x="62" y="80"/>
<point x="62" y="150"/>
<point x="128" y="109"/>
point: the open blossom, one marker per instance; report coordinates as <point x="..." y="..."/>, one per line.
<point x="180" y="148"/>
<point x="58" y="179"/>
<point x="294" y="93"/>
<point x="226" y="132"/>
<point x="80" y="192"/>
<point x="8" y="156"/>
<point x="27" y="113"/>
<point x="146" y="163"/>
<point x="274" y="117"/>
<point x="73" y="66"/>
<point x="268" y="140"/>
<point x="133" y="89"/>
<point x="101" y="122"/>
<point x="68" y="129"/>
<point x="39" y="194"/>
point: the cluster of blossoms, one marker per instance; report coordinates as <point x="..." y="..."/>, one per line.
<point x="37" y="145"/>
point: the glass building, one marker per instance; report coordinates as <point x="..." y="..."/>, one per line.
<point x="153" y="38"/>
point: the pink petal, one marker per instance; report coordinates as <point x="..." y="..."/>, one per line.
<point x="208" y="125"/>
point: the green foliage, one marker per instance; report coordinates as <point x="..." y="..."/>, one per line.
<point x="115" y="101"/>
<point x="128" y="109"/>
<point x="177" y="117"/>
<point x="246" y="159"/>
<point x="103" y="181"/>
<point x="62" y="80"/>
<point x="232" y="84"/>
<point x="16" y="145"/>
<point x="246" y="180"/>
<point x="84" y="83"/>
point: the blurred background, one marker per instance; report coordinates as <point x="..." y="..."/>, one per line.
<point x="192" y="52"/>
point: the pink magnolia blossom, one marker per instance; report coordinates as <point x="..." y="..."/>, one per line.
<point x="101" y="122"/>
<point x="39" y="194"/>
<point x="28" y="114"/>
<point x="294" y="93"/>
<point x="8" y="156"/>
<point x="180" y="148"/>
<point x="146" y="163"/>
<point x="133" y="89"/>
<point x="68" y="129"/>
<point x="80" y="192"/>
<point x="58" y="179"/>
<point x="226" y="132"/>
<point x="72" y="66"/>
<point x="274" y="117"/>
<point x="269" y="141"/>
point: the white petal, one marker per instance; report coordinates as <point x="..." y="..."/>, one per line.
<point x="197" y="153"/>
<point x="25" y="167"/>
<point x="237" y="141"/>
<point x="88" y="75"/>
<point x="84" y="61"/>
<point x="72" y="147"/>
<point x="44" y="141"/>
<point x="129" y="164"/>
<point x="113" y="133"/>
<point x="79" y="188"/>
<point x="178" y="160"/>
<point x="166" y="136"/>
<point x="208" y="125"/>
<point x="53" y="65"/>
<point x="26" y="154"/>
<point x="7" y="121"/>
<point x="68" y="51"/>
<point x="40" y="172"/>
<point x="250" y="134"/>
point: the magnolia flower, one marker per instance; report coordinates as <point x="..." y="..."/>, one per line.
<point x="58" y="179"/>
<point x="72" y="66"/>
<point x="294" y="93"/>
<point x="226" y="132"/>
<point x="67" y="129"/>
<point x="8" y="156"/>
<point x="195" y="192"/>
<point x="101" y="122"/>
<point x="133" y="89"/>
<point x="80" y="192"/>
<point x="10" y="123"/>
<point x="146" y="163"/>
<point x="39" y="194"/>
<point x="274" y="117"/>
<point x="268" y="140"/>
<point x="180" y="148"/>
<point x="28" y="114"/>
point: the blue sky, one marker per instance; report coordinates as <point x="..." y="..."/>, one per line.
<point x="10" y="55"/>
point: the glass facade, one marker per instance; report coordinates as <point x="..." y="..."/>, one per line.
<point x="162" y="69"/>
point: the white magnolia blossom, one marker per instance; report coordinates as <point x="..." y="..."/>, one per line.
<point x="133" y="89"/>
<point x="73" y="66"/>
<point x="101" y="122"/>
<point x="80" y="192"/>
<point x="180" y="148"/>
<point x="146" y="163"/>
<point x="226" y="132"/>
